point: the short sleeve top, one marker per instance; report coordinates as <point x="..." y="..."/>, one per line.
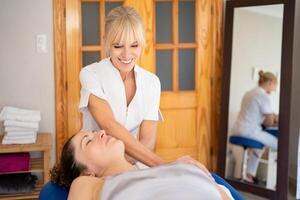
<point x="103" y="80"/>
<point x="255" y="104"/>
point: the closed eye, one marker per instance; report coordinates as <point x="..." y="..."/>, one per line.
<point x="118" y="46"/>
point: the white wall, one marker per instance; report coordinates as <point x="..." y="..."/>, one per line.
<point x="256" y="44"/>
<point x="26" y="77"/>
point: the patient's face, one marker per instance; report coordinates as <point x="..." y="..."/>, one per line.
<point x="97" y="150"/>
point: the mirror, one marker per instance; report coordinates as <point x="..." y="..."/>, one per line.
<point x="258" y="36"/>
<point x="256" y="46"/>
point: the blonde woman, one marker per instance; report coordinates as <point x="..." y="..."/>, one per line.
<point x="256" y="111"/>
<point x="119" y="96"/>
<point x="93" y="164"/>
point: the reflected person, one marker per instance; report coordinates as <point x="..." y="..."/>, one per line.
<point x="255" y="113"/>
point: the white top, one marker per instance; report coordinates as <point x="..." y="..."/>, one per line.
<point x="255" y="104"/>
<point x="103" y="80"/>
<point x="169" y="182"/>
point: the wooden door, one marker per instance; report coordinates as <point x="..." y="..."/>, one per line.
<point x="186" y="79"/>
<point x="178" y="68"/>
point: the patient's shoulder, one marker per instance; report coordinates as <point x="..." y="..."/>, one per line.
<point x="85" y="187"/>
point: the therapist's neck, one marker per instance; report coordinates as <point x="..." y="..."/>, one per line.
<point x="126" y="75"/>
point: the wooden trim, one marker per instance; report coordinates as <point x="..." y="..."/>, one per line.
<point x="102" y="28"/>
<point x="80" y="34"/>
<point x="217" y="65"/>
<point x="171" y="46"/>
<point x="91" y="48"/>
<point x="225" y="88"/>
<point x="287" y="62"/>
<point x="175" y="42"/>
<point x="173" y="0"/>
<point x="110" y="1"/>
<point x="73" y="55"/>
<point x="154" y="35"/>
<point x="96" y="1"/>
<point x="204" y="82"/>
<point x="197" y="50"/>
<point x="61" y="113"/>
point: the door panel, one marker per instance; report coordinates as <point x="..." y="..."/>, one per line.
<point x="177" y="134"/>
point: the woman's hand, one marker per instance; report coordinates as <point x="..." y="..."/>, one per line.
<point x="189" y="160"/>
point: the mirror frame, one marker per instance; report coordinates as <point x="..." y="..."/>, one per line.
<point x="281" y="191"/>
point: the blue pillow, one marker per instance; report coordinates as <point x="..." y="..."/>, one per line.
<point x="235" y="194"/>
<point x="52" y="191"/>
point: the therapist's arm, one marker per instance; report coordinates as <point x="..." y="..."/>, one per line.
<point x="147" y="136"/>
<point x="147" y="133"/>
<point x="103" y="115"/>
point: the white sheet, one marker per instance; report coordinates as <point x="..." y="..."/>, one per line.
<point x="171" y="182"/>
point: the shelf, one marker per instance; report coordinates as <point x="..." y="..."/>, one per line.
<point x="30" y="195"/>
<point x="36" y="165"/>
<point x="43" y="143"/>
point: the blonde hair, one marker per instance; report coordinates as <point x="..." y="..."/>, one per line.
<point x="123" y="24"/>
<point x="265" y="77"/>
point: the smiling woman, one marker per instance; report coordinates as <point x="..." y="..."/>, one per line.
<point x="119" y="96"/>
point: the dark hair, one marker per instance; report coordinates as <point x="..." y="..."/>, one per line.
<point x="265" y="77"/>
<point x="64" y="172"/>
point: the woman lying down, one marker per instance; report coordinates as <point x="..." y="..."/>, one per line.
<point x="94" y="164"/>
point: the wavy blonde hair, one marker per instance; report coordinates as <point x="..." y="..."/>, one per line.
<point x="123" y="24"/>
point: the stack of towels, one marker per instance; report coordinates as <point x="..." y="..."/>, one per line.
<point x="20" y="125"/>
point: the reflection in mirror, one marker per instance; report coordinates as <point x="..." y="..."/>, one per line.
<point x="254" y="95"/>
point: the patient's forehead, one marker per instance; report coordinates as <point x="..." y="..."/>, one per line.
<point x="78" y="138"/>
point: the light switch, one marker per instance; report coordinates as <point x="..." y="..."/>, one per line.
<point x="41" y="43"/>
<point x="254" y="73"/>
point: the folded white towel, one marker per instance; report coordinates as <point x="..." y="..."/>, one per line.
<point x="25" y="140"/>
<point x="22" y="117"/>
<point x="13" y="123"/>
<point x="18" y="134"/>
<point x="12" y="113"/>
<point x="19" y="129"/>
<point x="14" y="110"/>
